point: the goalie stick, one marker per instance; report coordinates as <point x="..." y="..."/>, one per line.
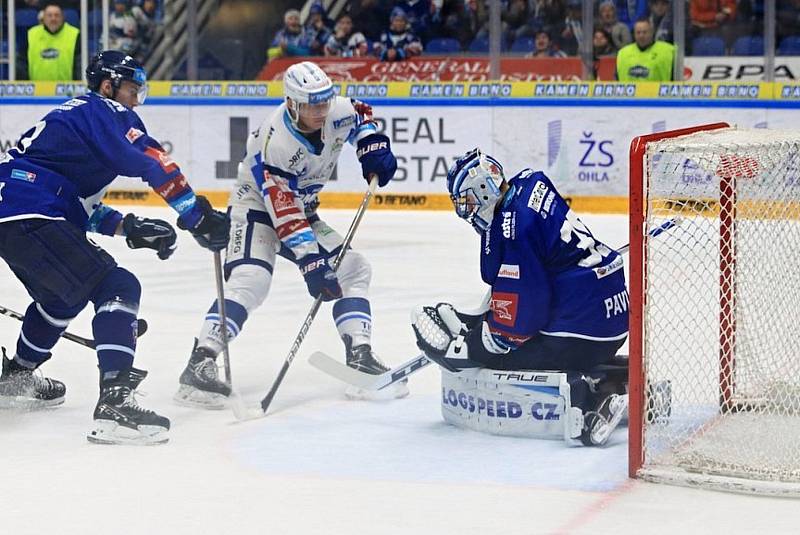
<point x="141" y="328"/>
<point x="346" y="374"/>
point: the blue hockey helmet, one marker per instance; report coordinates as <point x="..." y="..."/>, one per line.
<point x="474" y="182"/>
<point x="116" y="66"/>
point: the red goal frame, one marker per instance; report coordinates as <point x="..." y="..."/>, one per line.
<point x="637" y="283"/>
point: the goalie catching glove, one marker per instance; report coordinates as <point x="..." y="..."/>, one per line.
<point x="453" y="340"/>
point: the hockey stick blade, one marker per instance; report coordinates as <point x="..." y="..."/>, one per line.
<point x="344" y="373"/>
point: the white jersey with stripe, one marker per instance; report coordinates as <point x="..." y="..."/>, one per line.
<point x="283" y="172"/>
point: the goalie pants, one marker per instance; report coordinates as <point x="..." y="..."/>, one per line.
<point x="557" y="353"/>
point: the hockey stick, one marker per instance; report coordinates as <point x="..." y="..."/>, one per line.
<point x="344" y="373"/>
<point x="240" y="411"/>
<point x="141" y="328"/>
<point x="223" y="319"/>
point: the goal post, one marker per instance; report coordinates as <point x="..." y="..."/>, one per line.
<point x="715" y="309"/>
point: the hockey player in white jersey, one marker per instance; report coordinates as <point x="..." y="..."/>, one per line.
<point x="289" y="160"/>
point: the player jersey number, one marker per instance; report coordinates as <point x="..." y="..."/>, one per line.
<point x="594" y="251"/>
<point x="1" y="190"/>
<point x="25" y="141"/>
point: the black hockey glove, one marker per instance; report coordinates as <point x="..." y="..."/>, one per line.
<point x="320" y="278"/>
<point x="209" y="227"/>
<point x="149" y="233"/>
<point x="376" y="158"/>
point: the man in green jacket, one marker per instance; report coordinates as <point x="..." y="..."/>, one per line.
<point x="645" y="59"/>
<point x="52" y="49"/>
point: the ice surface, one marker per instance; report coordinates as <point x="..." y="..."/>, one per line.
<point x="320" y="463"/>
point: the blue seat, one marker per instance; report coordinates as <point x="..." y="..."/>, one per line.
<point x="748" y="45"/>
<point x="443" y="45"/>
<point x="789" y="46"/>
<point x="72" y="16"/>
<point x="26" y="18"/>
<point x="481" y="44"/>
<point x="708" y="46"/>
<point x="523" y="44"/>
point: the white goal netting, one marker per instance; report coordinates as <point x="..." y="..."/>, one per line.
<point x="721" y="310"/>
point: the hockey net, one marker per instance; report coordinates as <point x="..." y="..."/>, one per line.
<point x="715" y="309"/>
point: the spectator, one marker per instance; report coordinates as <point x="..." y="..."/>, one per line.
<point x="292" y="39"/>
<point x="602" y="43"/>
<point x="398" y="42"/>
<point x="147" y="24"/>
<point x="712" y="18"/>
<point x="318" y="27"/>
<point x="572" y="32"/>
<point x="345" y="42"/>
<point x="364" y="13"/>
<point x="543" y="46"/>
<point x="419" y="14"/>
<point x="661" y="19"/>
<point x="515" y="18"/>
<point x="619" y="32"/>
<point x="123" y="29"/>
<point x="51" y="50"/>
<point x="645" y="59"/>
<point x="478" y="20"/>
<point x="788" y="18"/>
<point x="629" y="11"/>
<point x="452" y="18"/>
<point x="547" y="13"/>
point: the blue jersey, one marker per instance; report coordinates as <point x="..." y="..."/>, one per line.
<point x="61" y="167"/>
<point x="548" y="274"/>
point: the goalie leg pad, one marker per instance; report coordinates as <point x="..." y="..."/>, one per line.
<point x="534" y="404"/>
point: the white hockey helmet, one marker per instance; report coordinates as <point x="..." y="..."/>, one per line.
<point x="474" y="184"/>
<point x="306" y="83"/>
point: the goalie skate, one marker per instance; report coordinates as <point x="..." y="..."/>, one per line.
<point x="26" y="389"/>
<point x="119" y="419"/>
<point x="599" y="424"/>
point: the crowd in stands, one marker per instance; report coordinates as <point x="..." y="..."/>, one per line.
<point x="534" y="28"/>
<point x="48" y="35"/>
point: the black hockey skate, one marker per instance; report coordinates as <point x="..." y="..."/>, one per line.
<point x="200" y="383"/>
<point x="361" y="358"/>
<point x="24" y="388"/>
<point x="119" y="419"/>
<point x="598" y="424"/>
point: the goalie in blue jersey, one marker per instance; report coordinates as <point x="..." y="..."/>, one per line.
<point x="51" y="187"/>
<point x="558" y="296"/>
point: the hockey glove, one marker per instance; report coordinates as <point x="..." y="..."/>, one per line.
<point x="209" y="227"/>
<point x="149" y="233"/>
<point x="376" y="158"/>
<point x="320" y="278"/>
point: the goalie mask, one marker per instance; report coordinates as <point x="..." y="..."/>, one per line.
<point x="474" y="182"/>
<point x="309" y="92"/>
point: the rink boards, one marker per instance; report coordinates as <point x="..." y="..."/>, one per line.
<point x="578" y="132"/>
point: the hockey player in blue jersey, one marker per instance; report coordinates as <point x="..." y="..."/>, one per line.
<point x="51" y="185"/>
<point x="558" y="295"/>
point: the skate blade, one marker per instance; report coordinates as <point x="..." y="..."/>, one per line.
<point x="188" y="396"/>
<point x="111" y="433"/>
<point x="23" y="403"/>
<point x="395" y="391"/>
